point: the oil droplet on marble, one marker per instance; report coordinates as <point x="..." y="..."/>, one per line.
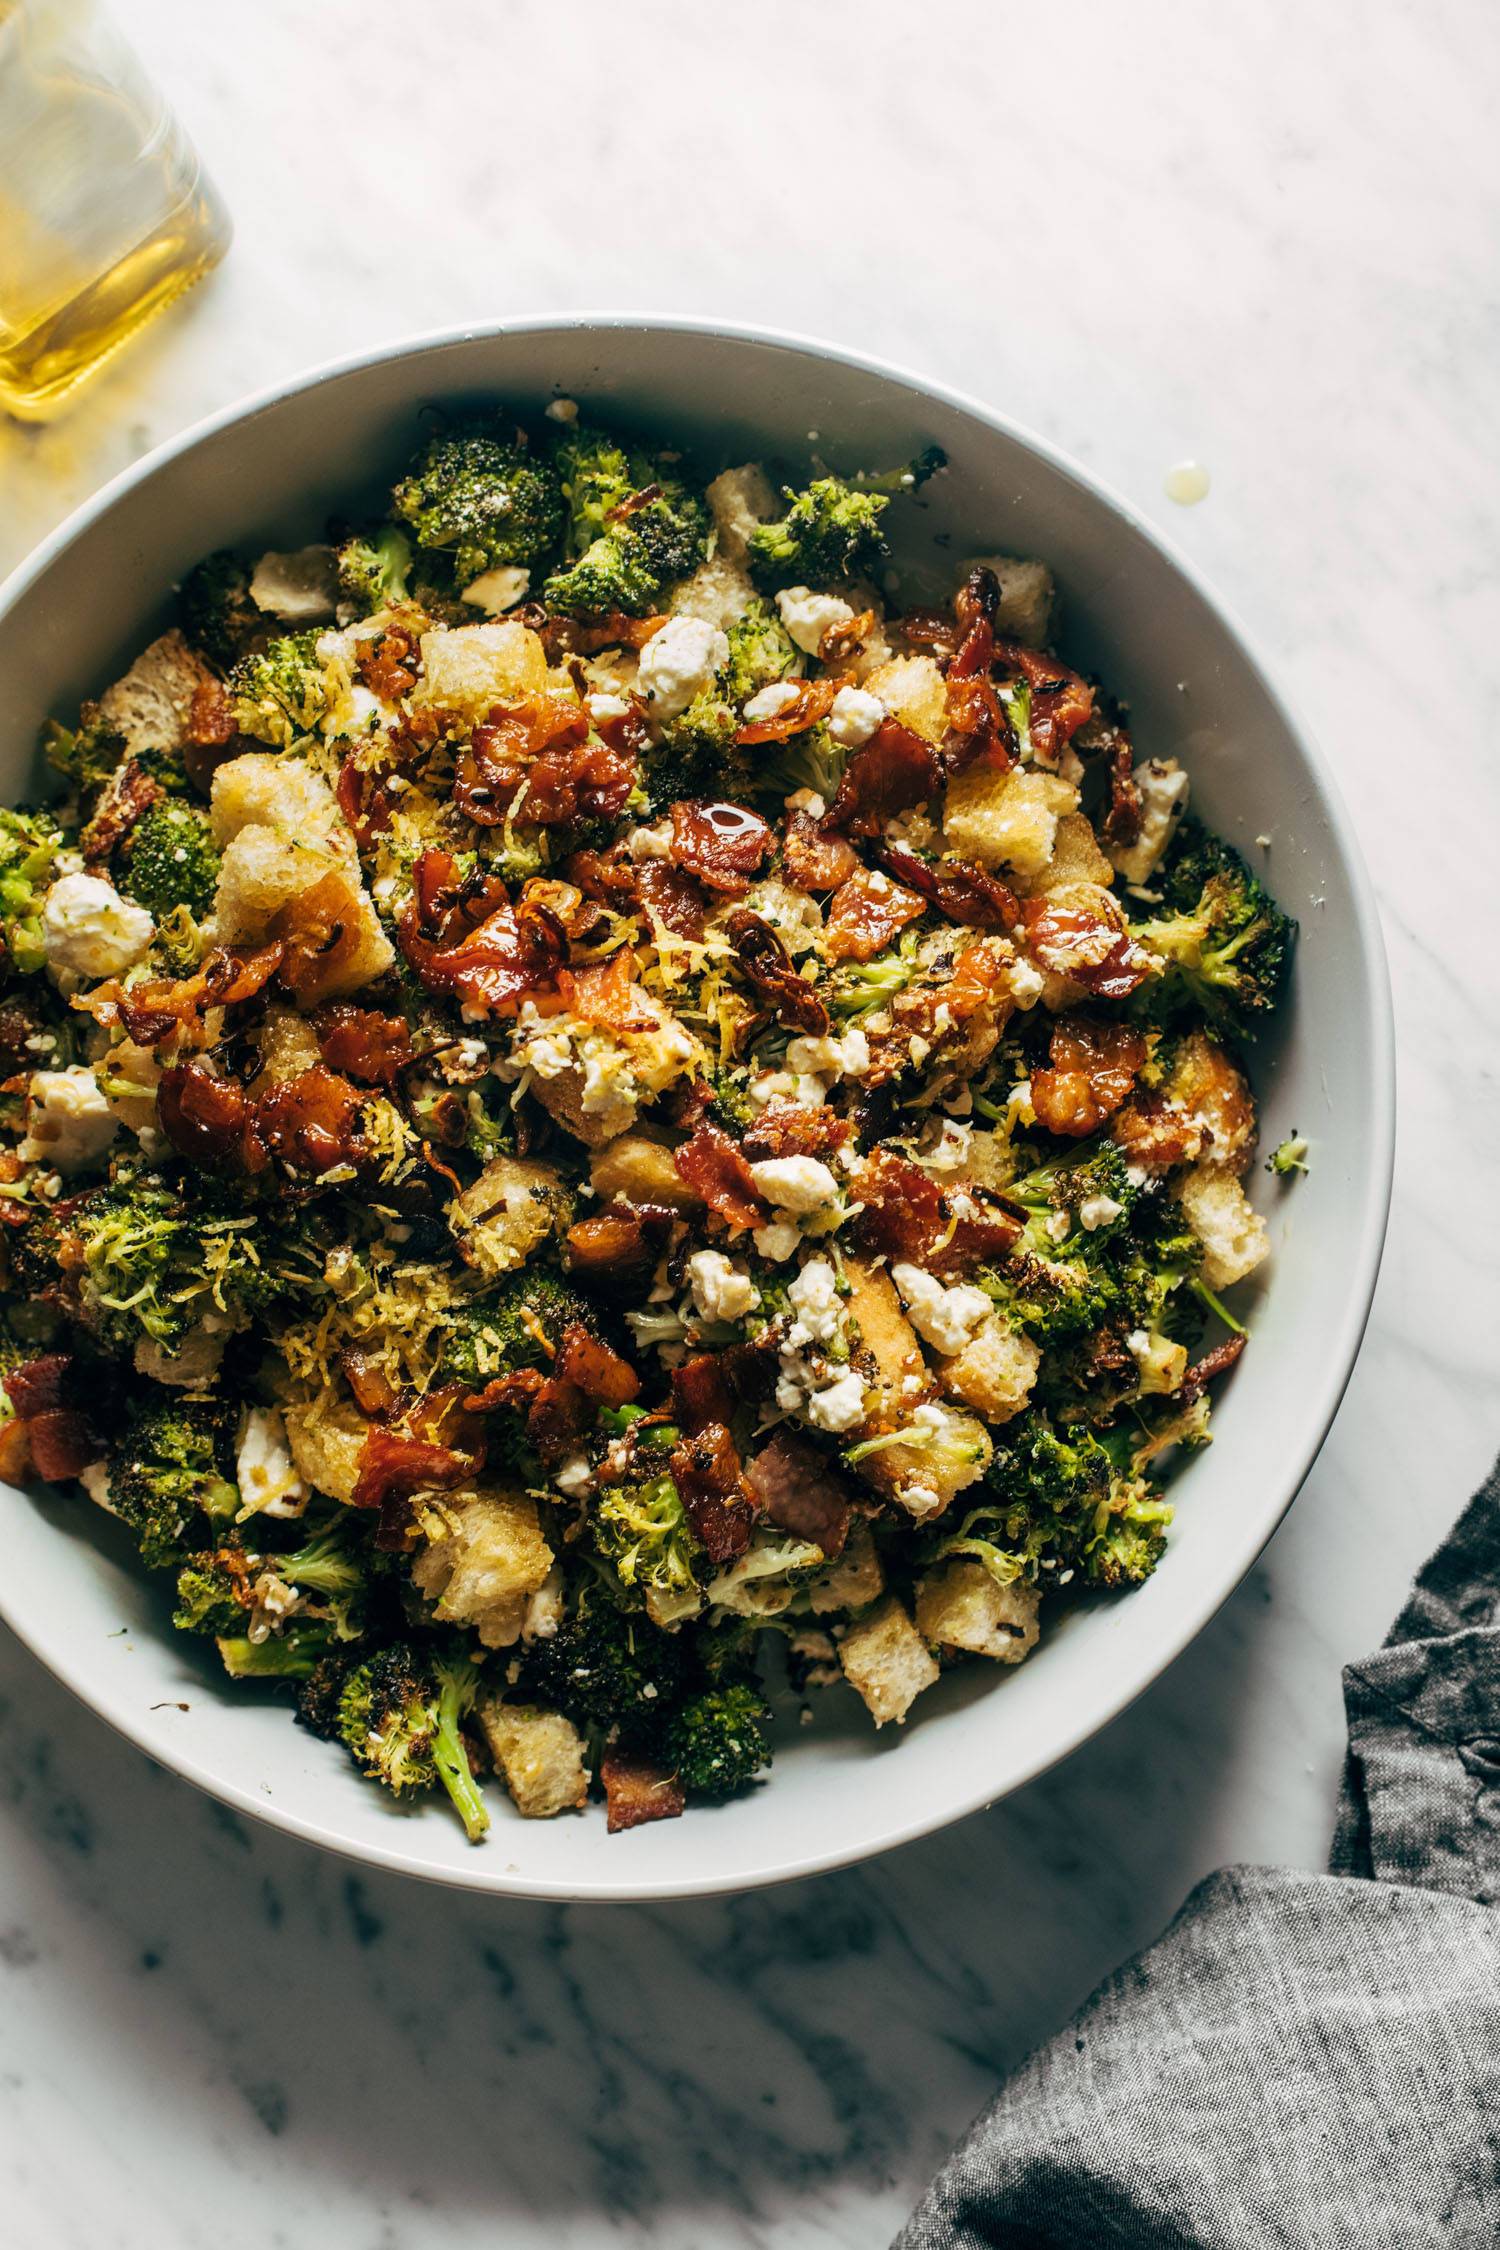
<point x="1187" y="483"/>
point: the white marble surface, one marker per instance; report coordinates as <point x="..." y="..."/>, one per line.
<point x="1261" y="237"/>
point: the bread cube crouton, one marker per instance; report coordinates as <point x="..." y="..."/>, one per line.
<point x="994" y="1373"/>
<point x="888" y="1354"/>
<point x="594" y="1076"/>
<point x="740" y="499"/>
<point x="152" y="705"/>
<point x="854" y="1580"/>
<point x="886" y="1661"/>
<point x="1216" y="1095"/>
<point x="511" y="1208"/>
<point x="947" y="1451"/>
<point x="540" y="1754"/>
<point x="326" y="1434"/>
<point x="1234" y="1236"/>
<point x="912" y="690"/>
<point x="263" y="789"/>
<point x="290" y="870"/>
<point x="1027" y="593"/>
<point x="484" y="1557"/>
<point x="1002" y="819"/>
<point x="287" y="1045"/>
<point x="961" y="1606"/>
<point x="469" y="667"/>
<point x="1076" y="857"/>
<point x="719" y="592"/>
<point x="634" y="1169"/>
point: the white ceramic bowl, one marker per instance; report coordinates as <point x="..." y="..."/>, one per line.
<point x="270" y="472"/>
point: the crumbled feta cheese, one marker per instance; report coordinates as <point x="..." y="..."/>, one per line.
<point x="563" y="410"/>
<point x="799" y="1184"/>
<point x="721" y="1289"/>
<point x="499" y="590"/>
<point x="678" y="662"/>
<point x="839" y="1407"/>
<point x="69" y="1123"/>
<point x="807" y="616"/>
<point x="953" y="1149"/>
<point x="948" y="1319"/>
<point x="650" y="843"/>
<point x="1164" y="794"/>
<point x="89" y="929"/>
<point x="830" y="1058"/>
<point x="603" y="706"/>
<point x="575" y="1476"/>
<point x="773" y="699"/>
<point x="855" y="716"/>
<point x="298" y="588"/>
<point x="272" y="1601"/>
<point x="808" y="801"/>
<point x="1097" y="1211"/>
<point x="1024" y="981"/>
<point x="1059" y="1226"/>
<point x="264" y="1469"/>
<point x="777" y="1241"/>
<point x="814" y="1297"/>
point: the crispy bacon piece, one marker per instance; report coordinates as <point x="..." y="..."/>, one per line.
<point x="312" y="1121"/>
<point x="1123" y="816"/>
<point x="320" y="931"/>
<point x="210" y="719"/>
<point x="793" y="1129"/>
<point x="59" y="1437"/>
<point x="1093" y="1067"/>
<point x="533" y="760"/>
<point x="554" y="1410"/>
<point x="636" y="1791"/>
<point x="838" y="642"/>
<point x="812" y="701"/>
<point x="979" y="726"/>
<point x="129" y="791"/>
<point x="374" y="1393"/>
<point x="39" y="1385"/>
<point x="1156" y="1132"/>
<point x="718" y="1175"/>
<point x="365" y="799"/>
<point x="616" y="1249"/>
<point x="890" y="773"/>
<point x="209" y="1120"/>
<point x="606" y="993"/>
<point x="908" y="1216"/>
<point x="798" y="1491"/>
<point x="364" y="1044"/>
<point x="706" y="1472"/>
<point x="865" y="913"/>
<point x="961" y="891"/>
<point x="389" y="666"/>
<point x="701" y="1393"/>
<point x="1204" y="1371"/>
<point x="938" y="1013"/>
<point x="721" y="843"/>
<point x="585" y="636"/>
<point x="1061" y="702"/>
<point x="1096" y="953"/>
<point x="670" y="895"/>
<point x="153" y="1009"/>
<point x="491" y="964"/>
<point x="813" y="861"/>
<point x="767" y="965"/>
<point x="393" y="1466"/>
<point x="600" y="1373"/>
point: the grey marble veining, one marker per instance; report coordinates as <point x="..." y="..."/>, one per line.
<point x="1263" y="238"/>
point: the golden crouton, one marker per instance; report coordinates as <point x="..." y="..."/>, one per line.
<point x="888" y="1354"/>
<point x="467" y="668"/>
<point x="540" y="1754"/>
<point x="512" y="1207"/>
<point x="289" y="863"/>
<point x="484" y="1555"/>
<point x="740" y="499"/>
<point x="1076" y="857"/>
<point x="912" y="689"/>
<point x="287" y="1045"/>
<point x="1002" y="819"/>
<point x="1234" y="1236"/>
<point x="719" y="592"/>
<point x="886" y="1661"/>
<point x="1216" y="1094"/>
<point x="595" y="1077"/>
<point x="995" y="1371"/>
<point x="326" y="1434"/>
<point x="1027" y="591"/>
<point x="634" y="1169"/>
<point x="152" y="705"/>
<point x="961" y="1606"/>
<point x="855" y="1579"/>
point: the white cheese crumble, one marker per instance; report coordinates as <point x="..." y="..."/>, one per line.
<point x="839" y="1406"/>
<point x="814" y="1297"/>
<point x="830" y="1058"/>
<point x="721" y="1290"/>
<point x="575" y="1476"/>
<point x="264" y="1469"/>
<point x="1097" y="1211"/>
<point x="946" y="1318"/>
<point x="678" y="662"/>
<point x="69" y="1123"/>
<point x="807" y="616"/>
<point x="799" y="1184"/>
<point x="1164" y="794"/>
<point x="89" y="929"/>
<point x="855" y="716"/>
<point x="500" y="589"/>
<point x="776" y="1242"/>
<point x="605" y="706"/>
<point x="772" y="700"/>
<point x="650" y="843"/>
<point x="563" y="410"/>
<point x="1024" y="981"/>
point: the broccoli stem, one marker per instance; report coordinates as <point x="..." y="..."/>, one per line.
<point x="450" y="1757"/>
<point x="1216" y="1306"/>
<point x="269" y="1659"/>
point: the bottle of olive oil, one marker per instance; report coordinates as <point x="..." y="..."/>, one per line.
<point x="105" y="212"/>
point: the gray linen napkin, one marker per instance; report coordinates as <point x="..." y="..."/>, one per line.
<point x="1306" y="2061"/>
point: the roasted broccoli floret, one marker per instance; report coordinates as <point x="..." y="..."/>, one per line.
<point x="399" y="1713"/>
<point x="1053" y="1300"/>
<point x="281" y="691"/>
<point x="215" y="610"/>
<point x="149" y="1260"/>
<point x="717" y="1741"/>
<point x="760" y="650"/>
<point x="215" y="1590"/>
<point x="1226" y="943"/>
<point x="1056" y="1504"/>
<point x="1130" y="1537"/>
<point x="86" y="755"/>
<point x="1290" y="1158"/>
<point x="516" y="1325"/>
<point x="295" y="1654"/>
<point x="605" y="1665"/>
<point x="480" y="495"/>
<point x="168" y="1476"/>
<point x="374" y="568"/>
<point x="832" y="528"/>
<point x="661" y="536"/>
<point x="1077" y="1205"/>
<point x="29" y="844"/>
<point x="598" y="475"/>
<point x="643" y="1533"/>
<point x="862" y="986"/>
<point x="170" y="859"/>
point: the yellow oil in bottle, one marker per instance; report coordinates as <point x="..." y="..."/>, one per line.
<point x="105" y="213"/>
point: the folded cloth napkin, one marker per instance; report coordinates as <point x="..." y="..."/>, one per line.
<point x="1309" y="2061"/>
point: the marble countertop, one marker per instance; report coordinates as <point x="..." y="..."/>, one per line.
<point x="1263" y="239"/>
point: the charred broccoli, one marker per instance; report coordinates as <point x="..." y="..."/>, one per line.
<point x="374" y="568"/>
<point x="642" y="1531"/>
<point x="169" y="1472"/>
<point x="516" y="1325"/>
<point x="86" y="755"/>
<point x="215" y="610"/>
<point x="281" y="692"/>
<point x="647" y="535"/>
<point x="605" y="1665"/>
<point x="1226" y="943"/>
<point x="170" y="859"/>
<point x="716" y="1742"/>
<point x="399" y="1713"/>
<point x="29" y="844"/>
<point x="480" y="495"/>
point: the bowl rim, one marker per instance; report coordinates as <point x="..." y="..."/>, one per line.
<point x="1364" y="1266"/>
